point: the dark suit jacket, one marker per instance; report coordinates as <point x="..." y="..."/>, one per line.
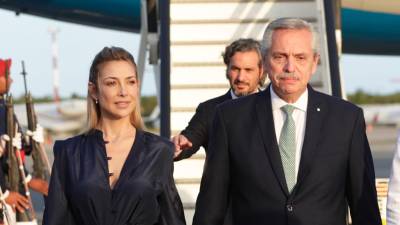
<point x="199" y="126"/>
<point x="243" y="165"/>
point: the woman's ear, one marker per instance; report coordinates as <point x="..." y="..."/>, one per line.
<point x="92" y="90"/>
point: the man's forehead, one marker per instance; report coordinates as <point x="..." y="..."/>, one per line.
<point x="294" y="40"/>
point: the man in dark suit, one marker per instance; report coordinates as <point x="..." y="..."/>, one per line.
<point x="244" y="71"/>
<point x="289" y="154"/>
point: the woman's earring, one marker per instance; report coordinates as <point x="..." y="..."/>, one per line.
<point x="96" y="101"/>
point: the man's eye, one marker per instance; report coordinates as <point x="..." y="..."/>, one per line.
<point x="300" y="58"/>
<point x="279" y="58"/>
<point x="132" y="82"/>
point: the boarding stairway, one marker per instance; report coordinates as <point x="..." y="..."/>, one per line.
<point x="199" y="32"/>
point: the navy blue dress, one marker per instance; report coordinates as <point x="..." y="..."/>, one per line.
<point x="145" y="192"/>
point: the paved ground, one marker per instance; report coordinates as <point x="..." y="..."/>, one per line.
<point x="383" y="142"/>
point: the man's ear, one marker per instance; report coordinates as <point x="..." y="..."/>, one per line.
<point x="315" y="62"/>
<point x="92" y="90"/>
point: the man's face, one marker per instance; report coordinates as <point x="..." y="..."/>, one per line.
<point x="244" y="72"/>
<point x="3" y="84"/>
<point x="290" y="62"/>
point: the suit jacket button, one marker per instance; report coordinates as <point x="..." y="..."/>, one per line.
<point x="289" y="208"/>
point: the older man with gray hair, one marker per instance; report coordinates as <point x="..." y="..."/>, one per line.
<point x="289" y="154"/>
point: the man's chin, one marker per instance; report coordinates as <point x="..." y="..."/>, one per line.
<point x="241" y="93"/>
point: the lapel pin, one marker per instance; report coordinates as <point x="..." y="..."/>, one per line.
<point x="318" y="109"/>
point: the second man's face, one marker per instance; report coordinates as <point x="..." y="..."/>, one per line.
<point x="244" y="73"/>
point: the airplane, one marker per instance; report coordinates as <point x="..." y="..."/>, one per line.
<point x="368" y="26"/>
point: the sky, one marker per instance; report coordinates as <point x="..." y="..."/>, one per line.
<point x="27" y="38"/>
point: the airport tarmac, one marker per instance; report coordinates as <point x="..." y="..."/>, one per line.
<point x="383" y="141"/>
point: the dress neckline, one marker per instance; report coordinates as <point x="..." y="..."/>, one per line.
<point x="131" y="162"/>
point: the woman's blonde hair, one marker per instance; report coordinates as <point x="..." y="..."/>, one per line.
<point x="93" y="110"/>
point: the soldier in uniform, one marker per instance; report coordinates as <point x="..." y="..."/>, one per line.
<point x="14" y="199"/>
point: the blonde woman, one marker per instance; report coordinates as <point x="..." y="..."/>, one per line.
<point x="115" y="173"/>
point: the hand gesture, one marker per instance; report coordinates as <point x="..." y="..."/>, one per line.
<point x="181" y="144"/>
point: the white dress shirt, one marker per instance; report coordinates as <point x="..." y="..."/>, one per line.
<point x="393" y="201"/>
<point x="299" y="117"/>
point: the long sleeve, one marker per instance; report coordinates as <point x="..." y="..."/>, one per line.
<point x="171" y="206"/>
<point x="196" y="131"/>
<point x="212" y="201"/>
<point x="393" y="202"/>
<point x="361" y="190"/>
<point x="171" y="209"/>
<point x="57" y="211"/>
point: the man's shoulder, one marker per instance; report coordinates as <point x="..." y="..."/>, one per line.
<point x="217" y="100"/>
<point x="336" y="103"/>
<point x="242" y="105"/>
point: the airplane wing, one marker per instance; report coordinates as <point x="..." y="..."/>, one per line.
<point x="116" y="14"/>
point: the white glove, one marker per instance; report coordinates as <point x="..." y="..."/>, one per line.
<point x="37" y="135"/>
<point x="16" y="142"/>
<point x="3" y="140"/>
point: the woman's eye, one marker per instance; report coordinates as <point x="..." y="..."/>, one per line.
<point x="111" y="83"/>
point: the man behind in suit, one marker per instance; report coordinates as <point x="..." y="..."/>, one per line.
<point x="289" y="154"/>
<point x="244" y="71"/>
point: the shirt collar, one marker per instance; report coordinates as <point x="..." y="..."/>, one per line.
<point x="235" y="97"/>
<point x="277" y="102"/>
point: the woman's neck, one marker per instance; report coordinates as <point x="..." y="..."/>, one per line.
<point x="114" y="130"/>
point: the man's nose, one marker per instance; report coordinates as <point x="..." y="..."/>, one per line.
<point x="289" y="66"/>
<point x="240" y="75"/>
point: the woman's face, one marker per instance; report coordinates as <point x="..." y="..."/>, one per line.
<point x="117" y="89"/>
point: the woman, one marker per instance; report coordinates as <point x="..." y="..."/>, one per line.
<point x="393" y="202"/>
<point x="115" y="173"/>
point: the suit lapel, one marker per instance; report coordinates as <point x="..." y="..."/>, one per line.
<point x="227" y="96"/>
<point x="266" y="126"/>
<point x="316" y="111"/>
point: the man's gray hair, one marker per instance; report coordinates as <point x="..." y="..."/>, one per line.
<point x="288" y="23"/>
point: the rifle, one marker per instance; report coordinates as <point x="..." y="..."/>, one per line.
<point x="41" y="164"/>
<point x="16" y="173"/>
